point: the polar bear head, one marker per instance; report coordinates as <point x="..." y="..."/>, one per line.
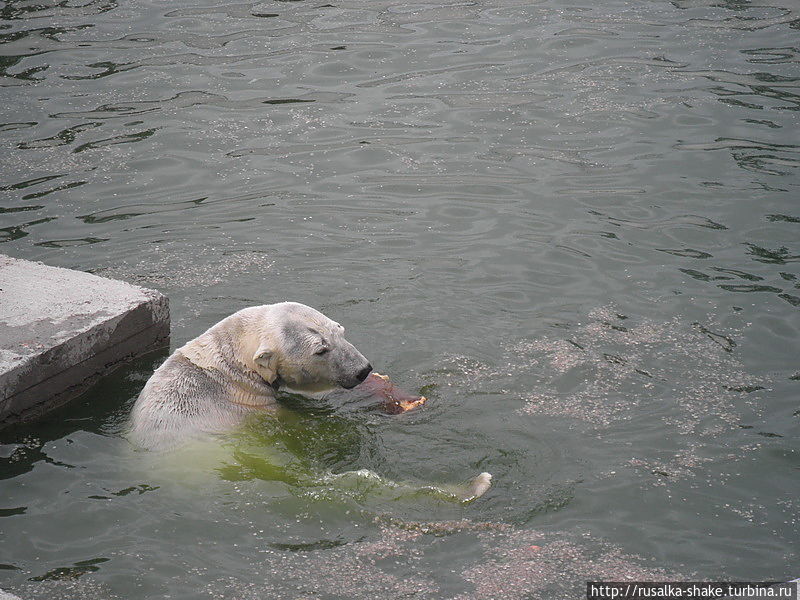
<point x="300" y="347"/>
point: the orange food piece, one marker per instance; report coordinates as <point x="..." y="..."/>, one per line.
<point x="394" y="400"/>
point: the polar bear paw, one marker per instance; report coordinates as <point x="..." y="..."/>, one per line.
<point x="477" y="487"/>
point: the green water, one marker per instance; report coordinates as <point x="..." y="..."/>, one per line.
<point x="573" y="226"/>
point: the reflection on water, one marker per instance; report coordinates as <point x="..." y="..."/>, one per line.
<point x="574" y="225"/>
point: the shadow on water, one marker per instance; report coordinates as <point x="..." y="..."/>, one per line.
<point x="101" y="411"/>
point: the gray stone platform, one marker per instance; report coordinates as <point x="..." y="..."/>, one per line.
<point x="61" y="330"/>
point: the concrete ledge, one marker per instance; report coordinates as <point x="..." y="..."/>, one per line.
<point x="61" y="330"/>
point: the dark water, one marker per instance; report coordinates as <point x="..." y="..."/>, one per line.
<point x="574" y="225"/>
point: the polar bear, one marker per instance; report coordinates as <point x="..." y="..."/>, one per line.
<point x="212" y="383"/>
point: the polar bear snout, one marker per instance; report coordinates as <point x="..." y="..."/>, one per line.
<point x="352" y="366"/>
<point x="364" y="373"/>
<point x="358" y="378"/>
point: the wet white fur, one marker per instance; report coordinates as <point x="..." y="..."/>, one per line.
<point x="213" y="382"/>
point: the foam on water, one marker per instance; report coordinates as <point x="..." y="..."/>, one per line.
<point x="402" y="560"/>
<point x="614" y="375"/>
<point x="690" y="368"/>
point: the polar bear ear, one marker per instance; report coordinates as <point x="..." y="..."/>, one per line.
<point x="267" y="362"/>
